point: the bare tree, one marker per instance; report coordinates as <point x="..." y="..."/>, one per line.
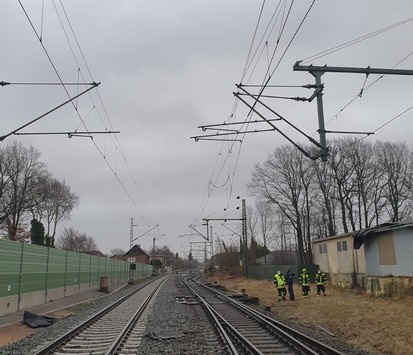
<point x="251" y="222"/>
<point x="325" y="202"/>
<point x="360" y="184"/>
<point x="117" y="252"/>
<point x="22" y="173"/>
<point x="366" y="179"/>
<point x="72" y="240"/>
<point x="265" y="221"/>
<point x="55" y="203"/>
<point x="284" y="180"/>
<point x="397" y="174"/>
<point x="342" y="172"/>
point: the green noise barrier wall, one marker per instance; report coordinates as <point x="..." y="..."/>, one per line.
<point x="27" y="268"/>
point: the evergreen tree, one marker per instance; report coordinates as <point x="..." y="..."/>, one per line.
<point x="37" y="232"/>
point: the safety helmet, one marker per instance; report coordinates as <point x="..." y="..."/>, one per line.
<point x="304" y="270"/>
<point x="279" y="272"/>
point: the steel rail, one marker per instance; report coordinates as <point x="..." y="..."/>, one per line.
<point x="57" y="343"/>
<point x="116" y="346"/>
<point x="305" y="344"/>
<point x="214" y="317"/>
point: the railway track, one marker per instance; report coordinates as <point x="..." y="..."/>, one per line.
<point x="232" y="327"/>
<point x="244" y="330"/>
<point x="117" y="328"/>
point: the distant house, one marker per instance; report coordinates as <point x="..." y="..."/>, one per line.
<point x="118" y="257"/>
<point x="94" y="252"/>
<point x="278" y="257"/>
<point x="137" y="255"/>
<point x="377" y="259"/>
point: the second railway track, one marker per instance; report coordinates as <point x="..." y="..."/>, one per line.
<point x="247" y="331"/>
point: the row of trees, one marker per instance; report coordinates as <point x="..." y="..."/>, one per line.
<point x="362" y="184"/>
<point x="28" y="192"/>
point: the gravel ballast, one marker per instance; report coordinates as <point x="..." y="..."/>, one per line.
<point x="166" y="314"/>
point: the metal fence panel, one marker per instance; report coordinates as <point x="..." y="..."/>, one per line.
<point x="85" y="260"/>
<point x="94" y="268"/>
<point x="10" y="259"/>
<point x="26" y="268"/>
<point x="56" y="271"/>
<point x="72" y="270"/>
<point x="34" y="267"/>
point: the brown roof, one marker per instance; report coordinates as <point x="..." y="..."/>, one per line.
<point x="135" y="251"/>
<point x="94" y="252"/>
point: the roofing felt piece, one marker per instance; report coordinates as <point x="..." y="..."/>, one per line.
<point x="360" y="236"/>
<point x="165" y="334"/>
<point x="35" y="321"/>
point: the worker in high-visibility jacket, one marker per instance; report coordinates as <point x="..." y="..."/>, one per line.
<point x="279" y="284"/>
<point x="305" y="283"/>
<point x="320" y="281"/>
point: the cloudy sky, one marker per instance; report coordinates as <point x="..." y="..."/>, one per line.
<point x="167" y="67"/>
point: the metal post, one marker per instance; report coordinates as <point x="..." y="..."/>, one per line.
<point x="212" y="248"/>
<point x="320" y="110"/>
<point x="130" y="282"/>
<point x="190" y="260"/>
<point x="245" y="238"/>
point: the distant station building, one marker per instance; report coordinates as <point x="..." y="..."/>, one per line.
<point x="137" y="255"/>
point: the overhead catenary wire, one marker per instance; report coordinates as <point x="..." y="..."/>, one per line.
<point x="112" y="169"/>
<point x="354" y="41"/>
<point x="108" y="117"/>
<point x="265" y="82"/>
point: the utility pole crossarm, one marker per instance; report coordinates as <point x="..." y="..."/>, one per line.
<point x="318" y="71"/>
<point x="367" y="71"/>
<point x="193" y="228"/>
<point x="223" y="219"/>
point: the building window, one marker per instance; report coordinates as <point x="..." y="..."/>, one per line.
<point x="342" y="245"/>
<point x="387" y="253"/>
<point x="322" y="248"/>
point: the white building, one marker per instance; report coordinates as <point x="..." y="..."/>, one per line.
<point x="377" y="259"/>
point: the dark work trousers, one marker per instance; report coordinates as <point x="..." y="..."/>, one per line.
<point x="281" y="293"/>
<point x="321" y="290"/>
<point x="305" y="290"/>
<point x="291" y="291"/>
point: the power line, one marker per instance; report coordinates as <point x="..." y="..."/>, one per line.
<point x="39" y="37"/>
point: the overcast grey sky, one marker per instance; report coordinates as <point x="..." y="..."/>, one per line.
<point x="167" y="67"/>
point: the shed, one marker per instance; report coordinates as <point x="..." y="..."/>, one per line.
<point x="378" y="259"/>
<point x="336" y="257"/>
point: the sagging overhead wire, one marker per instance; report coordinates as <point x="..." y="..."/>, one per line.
<point x="113" y="137"/>
<point x="354" y="41"/>
<point x="248" y="64"/>
<point x="40" y="39"/>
